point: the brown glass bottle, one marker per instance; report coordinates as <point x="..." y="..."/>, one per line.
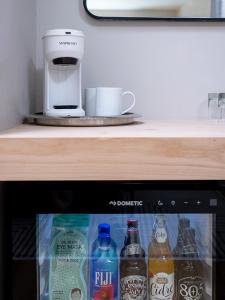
<point x="160" y="263"/>
<point x="189" y="277"/>
<point x="183" y="224"/>
<point x="133" y="269"/>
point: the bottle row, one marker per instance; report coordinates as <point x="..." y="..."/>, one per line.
<point x="167" y="275"/>
<point x="164" y="278"/>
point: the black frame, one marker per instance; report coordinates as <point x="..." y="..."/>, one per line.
<point x="204" y="20"/>
<point x="26" y="199"/>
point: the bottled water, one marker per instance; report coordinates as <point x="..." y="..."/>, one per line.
<point x="104" y="266"/>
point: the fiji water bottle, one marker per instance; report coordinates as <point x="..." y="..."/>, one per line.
<point x="104" y="266"/>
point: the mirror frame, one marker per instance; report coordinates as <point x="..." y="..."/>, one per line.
<point x="172" y="19"/>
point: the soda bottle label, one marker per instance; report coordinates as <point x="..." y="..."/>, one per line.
<point x="161" y="235"/>
<point x="190" y="288"/>
<point x="133" y="287"/>
<point x="133" y="249"/>
<point x="161" y="286"/>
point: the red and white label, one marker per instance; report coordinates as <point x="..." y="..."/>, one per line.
<point x="133" y="288"/>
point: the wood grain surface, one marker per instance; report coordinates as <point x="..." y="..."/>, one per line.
<point x="153" y="150"/>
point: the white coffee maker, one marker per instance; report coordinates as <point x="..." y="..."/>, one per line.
<point x="63" y="53"/>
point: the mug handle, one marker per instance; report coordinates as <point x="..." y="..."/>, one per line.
<point x="133" y="103"/>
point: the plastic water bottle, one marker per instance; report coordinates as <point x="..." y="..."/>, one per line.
<point x="104" y="266"/>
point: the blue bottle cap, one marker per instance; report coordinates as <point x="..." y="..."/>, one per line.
<point x="104" y="230"/>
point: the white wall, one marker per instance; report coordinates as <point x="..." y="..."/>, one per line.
<point x="1" y="242"/>
<point x="170" y="66"/>
<point x="17" y="60"/>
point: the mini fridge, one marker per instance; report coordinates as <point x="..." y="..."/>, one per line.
<point x="112" y="240"/>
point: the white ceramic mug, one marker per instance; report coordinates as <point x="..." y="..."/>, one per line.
<point x="90" y="102"/>
<point x="106" y="101"/>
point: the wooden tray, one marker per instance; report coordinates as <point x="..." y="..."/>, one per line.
<point x="40" y="119"/>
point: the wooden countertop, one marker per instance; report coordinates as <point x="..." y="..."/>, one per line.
<point x="152" y="150"/>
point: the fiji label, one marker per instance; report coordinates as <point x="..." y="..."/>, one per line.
<point x="190" y="288"/>
<point x="103" y="278"/>
<point x="161" y="286"/>
<point x="104" y="285"/>
<point x="133" y="287"/>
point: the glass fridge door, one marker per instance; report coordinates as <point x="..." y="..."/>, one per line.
<point x="125" y="256"/>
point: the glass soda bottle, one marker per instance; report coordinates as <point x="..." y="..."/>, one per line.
<point x="104" y="266"/>
<point x="133" y="268"/>
<point x="183" y="224"/>
<point x="160" y="263"/>
<point x="190" y="284"/>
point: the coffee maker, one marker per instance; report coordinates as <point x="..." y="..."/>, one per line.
<point x="63" y="53"/>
